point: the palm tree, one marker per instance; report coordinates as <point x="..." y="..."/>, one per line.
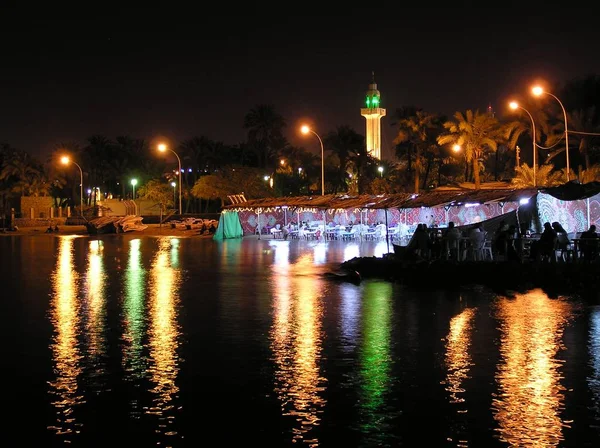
<point x="418" y="133"/>
<point x="406" y="148"/>
<point x="265" y="132"/>
<point x="20" y="170"/>
<point x="586" y="121"/>
<point x="363" y="168"/>
<point x="344" y="143"/>
<point x="95" y="158"/>
<point x="474" y="132"/>
<point x="592" y="174"/>
<point x="545" y="177"/>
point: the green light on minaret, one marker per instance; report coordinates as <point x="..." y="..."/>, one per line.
<point x="372" y="101"/>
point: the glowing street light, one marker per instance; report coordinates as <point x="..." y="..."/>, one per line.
<point x="65" y="161"/>
<point x="539" y="91"/>
<point x="173" y="184"/>
<point x="162" y="148"/>
<point x="133" y="184"/>
<point x="456" y="148"/>
<point x="380" y="169"/>
<point x="514" y="106"/>
<point x="305" y="130"/>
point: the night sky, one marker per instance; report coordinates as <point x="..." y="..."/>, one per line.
<point x="175" y="74"/>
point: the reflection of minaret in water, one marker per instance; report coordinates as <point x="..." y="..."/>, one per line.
<point x="373" y="113"/>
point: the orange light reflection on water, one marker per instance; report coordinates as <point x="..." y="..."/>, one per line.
<point x="164" y="334"/>
<point x="95" y="303"/>
<point x="296" y="342"/>
<point x="66" y="356"/>
<point x="458" y="357"/>
<point x="530" y="395"/>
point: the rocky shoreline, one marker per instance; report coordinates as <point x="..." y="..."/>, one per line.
<point x="555" y="278"/>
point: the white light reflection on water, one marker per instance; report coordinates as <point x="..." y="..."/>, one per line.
<point x="134" y="316"/>
<point x="350" y="315"/>
<point x="594" y="350"/>
<point x="320" y="253"/>
<point x="164" y="334"/>
<point x="381" y="248"/>
<point x="351" y="250"/>
<point x="282" y="251"/>
<point x="296" y="343"/>
<point x="530" y="395"/>
<point x="66" y="355"/>
<point x="95" y="305"/>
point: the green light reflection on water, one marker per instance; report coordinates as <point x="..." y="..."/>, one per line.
<point x="375" y="356"/>
<point x="135" y="276"/>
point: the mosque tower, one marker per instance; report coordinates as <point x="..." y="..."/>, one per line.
<point x="373" y="113"/>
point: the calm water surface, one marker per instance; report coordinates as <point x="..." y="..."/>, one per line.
<point x="190" y="342"/>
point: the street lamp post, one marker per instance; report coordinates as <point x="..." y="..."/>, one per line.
<point x="514" y="106"/>
<point x="65" y="161"/>
<point x="305" y="130"/>
<point x="133" y="184"/>
<point x="162" y="148"/>
<point x="380" y="169"/>
<point x="174" y="184"/>
<point x="537" y="91"/>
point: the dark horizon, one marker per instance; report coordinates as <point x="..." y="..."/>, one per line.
<point x="112" y="75"/>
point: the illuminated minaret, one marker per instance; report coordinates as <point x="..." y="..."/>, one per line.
<point x="373" y="113"/>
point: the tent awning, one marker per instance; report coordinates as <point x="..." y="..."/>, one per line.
<point x="397" y="200"/>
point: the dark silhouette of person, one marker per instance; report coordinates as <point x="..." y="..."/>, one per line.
<point x="547" y="243"/>
<point x="588" y="244"/>
<point x="511" y="250"/>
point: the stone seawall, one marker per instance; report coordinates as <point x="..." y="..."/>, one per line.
<point x="39" y="222"/>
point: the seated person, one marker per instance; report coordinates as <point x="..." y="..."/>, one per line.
<point x="562" y="239"/>
<point x="511" y="250"/>
<point x="476" y="239"/>
<point x="589" y="244"/>
<point x="452" y="241"/>
<point x="419" y="243"/>
<point x="501" y="239"/>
